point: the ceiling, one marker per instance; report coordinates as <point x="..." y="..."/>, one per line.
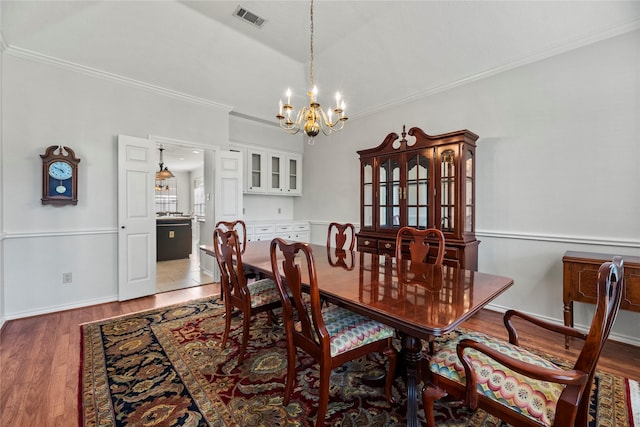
<point x="377" y="53"/>
<point x="180" y="158"/>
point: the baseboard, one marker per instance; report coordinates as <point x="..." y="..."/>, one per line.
<point x="626" y="339"/>
<point x="63" y="307"/>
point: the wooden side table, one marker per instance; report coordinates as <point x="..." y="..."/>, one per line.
<point x="580" y="278"/>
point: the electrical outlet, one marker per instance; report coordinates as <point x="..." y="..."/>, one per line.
<point x="67" y="278"/>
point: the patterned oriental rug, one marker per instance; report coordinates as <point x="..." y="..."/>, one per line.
<point x="165" y="367"/>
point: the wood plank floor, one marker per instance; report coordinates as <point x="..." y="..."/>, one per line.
<point x="40" y="356"/>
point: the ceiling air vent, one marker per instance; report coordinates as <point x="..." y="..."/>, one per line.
<point x="249" y="17"/>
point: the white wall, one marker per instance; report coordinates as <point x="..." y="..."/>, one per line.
<point x="50" y="104"/>
<point x="557" y="167"/>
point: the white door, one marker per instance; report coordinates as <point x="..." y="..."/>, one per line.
<point x="136" y="218"/>
<point x="228" y="186"/>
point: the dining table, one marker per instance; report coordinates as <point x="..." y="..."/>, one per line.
<point x="421" y="301"/>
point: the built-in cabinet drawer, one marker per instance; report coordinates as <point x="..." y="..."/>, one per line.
<point x="263" y="232"/>
<point x="296" y="231"/>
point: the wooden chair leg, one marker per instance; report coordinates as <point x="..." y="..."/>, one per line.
<point x="245" y="337"/>
<point x="430" y="394"/>
<point x="291" y="372"/>
<point x="391" y="372"/>
<point x="323" y="403"/>
<point x="227" y="326"/>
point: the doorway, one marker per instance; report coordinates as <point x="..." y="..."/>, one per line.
<point x="180" y="214"/>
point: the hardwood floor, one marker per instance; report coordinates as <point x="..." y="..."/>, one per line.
<point x="40" y="356"/>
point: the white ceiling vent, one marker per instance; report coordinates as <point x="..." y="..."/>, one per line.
<point x="249" y="17"/>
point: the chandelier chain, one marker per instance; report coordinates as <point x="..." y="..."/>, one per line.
<point x="311" y="47"/>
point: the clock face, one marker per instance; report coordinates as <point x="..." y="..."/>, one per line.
<point x="60" y="170"/>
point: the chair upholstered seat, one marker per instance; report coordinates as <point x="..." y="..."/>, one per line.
<point x="499" y="383"/>
<point x="263" y="292"/>
<point x="349" y="330"/>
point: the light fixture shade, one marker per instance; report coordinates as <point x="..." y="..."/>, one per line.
<point x="164" y="174"/>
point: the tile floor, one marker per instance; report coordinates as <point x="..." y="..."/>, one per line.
<point x="181" y="273"/>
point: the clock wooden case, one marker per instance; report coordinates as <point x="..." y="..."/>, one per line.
<point x="59" y="176"/>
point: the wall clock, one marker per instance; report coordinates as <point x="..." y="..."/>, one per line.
<point x="59" y="176"/>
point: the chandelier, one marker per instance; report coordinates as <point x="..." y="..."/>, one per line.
<point x="311" y="119"/>
<point x="164" y="172"/>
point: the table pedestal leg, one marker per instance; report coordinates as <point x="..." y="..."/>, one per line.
<point x="412" y="352"/>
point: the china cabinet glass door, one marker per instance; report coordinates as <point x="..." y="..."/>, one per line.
<point x="390" y="193"/>
<point x="447" y="159"/>
<point x="367" y="194"/>
<point x="469" y="223"/>
<point x="417" y="190"/>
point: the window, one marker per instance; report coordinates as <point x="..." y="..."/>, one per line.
<point x="198" y="197"/>
<point x="166" y="195"/>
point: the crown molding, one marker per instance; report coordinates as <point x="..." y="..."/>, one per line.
<point x="94" y="72"/>
<point x="535" y="57"/>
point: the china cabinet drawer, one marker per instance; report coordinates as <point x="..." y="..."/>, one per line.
<point x="387" y="247"/>
<point x="366" y="244"/>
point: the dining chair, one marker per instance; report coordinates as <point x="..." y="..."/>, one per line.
<point x="240" y="227"/>
<point x="517" y="385"/>
<point x="420" y="244"/>
<point x="341" y="236"/>
<point x="332" y="335"/>
<point x="249" y="299"/>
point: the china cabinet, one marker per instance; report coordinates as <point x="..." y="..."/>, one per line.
<point x="423" y="181"/>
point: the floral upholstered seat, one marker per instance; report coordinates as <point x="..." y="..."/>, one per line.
<point x="532" y="398"/>
<point x="349" y="330"/>
<point x="263" y="292"/>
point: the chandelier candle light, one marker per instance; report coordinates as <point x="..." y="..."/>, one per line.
<point x="314" y="118"/>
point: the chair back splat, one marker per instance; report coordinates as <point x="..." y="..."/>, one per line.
<point x="341" y="236"/>
<point x="554" y="396"/>
<point x="421" y="244"/>
<point x="331" y="335"/>
<point x="239" y="226"/>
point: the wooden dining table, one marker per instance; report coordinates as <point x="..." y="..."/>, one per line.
<point x="421" y="301"/>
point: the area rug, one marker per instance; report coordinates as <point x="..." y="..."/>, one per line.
<point x="165" y="367"/>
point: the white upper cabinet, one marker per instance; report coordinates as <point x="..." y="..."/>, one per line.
<point x="256" y="171"/>
<point x="294" y="174"/>
<point x="272" y="172"/>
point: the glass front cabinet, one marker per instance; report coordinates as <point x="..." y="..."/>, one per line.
<point x="420" y="181"/>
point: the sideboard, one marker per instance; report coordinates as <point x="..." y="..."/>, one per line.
<point x="580" y="277"/>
